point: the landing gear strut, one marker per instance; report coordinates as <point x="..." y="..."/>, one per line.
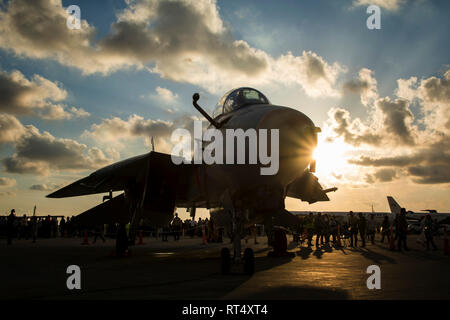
<point x="249" y="257"/>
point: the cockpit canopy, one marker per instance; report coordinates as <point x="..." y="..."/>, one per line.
<point x="237" y="98"/>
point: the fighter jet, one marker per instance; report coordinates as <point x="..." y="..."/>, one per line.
<point x="237" y="194"/>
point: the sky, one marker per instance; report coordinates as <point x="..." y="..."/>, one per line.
<point x="75" y="100"/>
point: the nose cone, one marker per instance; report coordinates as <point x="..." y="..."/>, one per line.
<point x="297" y="139"/>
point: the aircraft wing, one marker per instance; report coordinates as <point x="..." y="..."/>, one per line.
<point x="118" y="176"/>
<point x="307" y="188"/>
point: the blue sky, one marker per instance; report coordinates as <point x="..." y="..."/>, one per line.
<point x="412" y="42"/>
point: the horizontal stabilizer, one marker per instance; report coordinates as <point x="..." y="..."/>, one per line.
<point x="109" y="212"/>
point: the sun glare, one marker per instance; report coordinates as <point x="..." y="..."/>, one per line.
<point x="330" y="157"/>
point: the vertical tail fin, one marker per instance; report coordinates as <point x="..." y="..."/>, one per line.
<point x="393" y="205"/>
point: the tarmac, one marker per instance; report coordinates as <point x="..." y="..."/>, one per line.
<point x="186" y="269"/>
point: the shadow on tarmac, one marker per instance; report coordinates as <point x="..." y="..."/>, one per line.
<point x="294" y="293"/>
<point x="377" y="258"/>
<point x="305" y="252"/>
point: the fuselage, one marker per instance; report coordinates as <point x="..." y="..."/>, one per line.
<point x="297" y="138"/>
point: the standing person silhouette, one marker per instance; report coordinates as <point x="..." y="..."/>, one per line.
<point x="10" y="226"/>
<point x="428" y="231"/>
<point x="402" y="229"/>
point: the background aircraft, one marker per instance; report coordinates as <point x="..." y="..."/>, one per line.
<point x="237" y="193"/>
<point x="415" y="218"/>
<point x="395" y="208"/>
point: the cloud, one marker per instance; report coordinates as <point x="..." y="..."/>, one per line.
<point x="354" y="132"/>
<point x="37" y="96"/>
<point x="136" y="126"/>
<point x="382" y="175"/>
<point x="7" y="182"/>
<point x="115" y="130"/>
<point x="166" y="95"/>
<point x="184" y="41"/>
<point x="25" y="166"/>
<point x="433" y="94"/>
<point x="397" y="119"/>
<point x="430" y="174"/>
<point x="391" y="5"/>
<point x="310" y="71"/>
<point x="45" y="187"/>
<point x="7" y="194"/>
<point x="10" y="128"/>
<point x="389" y="121"/>
<point x="365" y="86"/>
<point x="37" y="153"/>
<point x="427" y="165"/>
<point x="79" y="113"/>
<point x="394" y="140"/>
<point x="37" y="29"/>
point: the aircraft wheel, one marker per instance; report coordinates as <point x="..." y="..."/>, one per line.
<point x="225" y="261"/>
<point x="249" y="261"/>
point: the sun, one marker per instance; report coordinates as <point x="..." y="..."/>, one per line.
<point x="330" y="157"/>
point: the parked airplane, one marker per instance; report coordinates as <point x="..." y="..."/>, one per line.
<point x="395" y="209"/>
<point x="238" y="194"/>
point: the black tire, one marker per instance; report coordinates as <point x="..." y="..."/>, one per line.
<point x="225" y="261"/>
<point x="249" y="262"/>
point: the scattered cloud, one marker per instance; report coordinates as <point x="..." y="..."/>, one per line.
<point x="397" y="119"/>
<point x="7" y="194"/>
<point x="37" y="29"/>
<point x="45" y="187"/>
<point x="427" y="165"/>
<point x="158" y="36"/>
<point x="166" y="95"/>
<point x="365" y="85"/>
<point x="382" y="175"/>
<point x="394" y="140"/>
<point x="10" y="128"/>
<point x="136" y="126"/>
<point x="116" y="129"/>
<point x="7" y="182"/>
<point x="391" y="5"/>
<point x="37" y="153"/>
<point x="38" y="96"/>
<point x="354" y="132"/>
<point x="388" y="122"/>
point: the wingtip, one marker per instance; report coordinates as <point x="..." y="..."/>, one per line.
<point x="53" y="194"/>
